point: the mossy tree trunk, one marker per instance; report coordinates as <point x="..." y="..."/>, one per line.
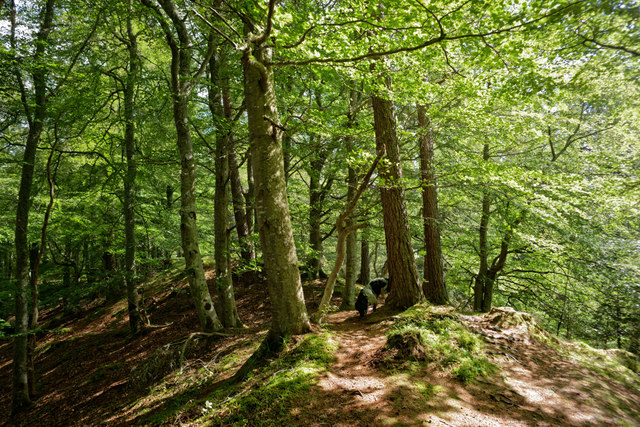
<point x="289" y="313"/>
<point x="224" y="284"/>
<point x="349" y="292"/>
<point x="135" y="320"/>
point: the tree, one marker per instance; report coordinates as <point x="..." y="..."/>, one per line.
<point x="176" y="32"/>
<point x="349" y="293"/>
<point x="289" y="314"/>
<point x="344" y="227"/>
<point x="229" y="315"/>
<point x="405" y="289"/>
<point x="434" y="285"/>
<point x="35" y="111"/>
<point x="130" y="178"/>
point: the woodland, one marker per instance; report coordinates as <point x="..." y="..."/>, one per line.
<point x="222" y="178"/>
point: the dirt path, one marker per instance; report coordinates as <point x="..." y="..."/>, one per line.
<point x="556" y="390"/>
<point x="536" y="387"/>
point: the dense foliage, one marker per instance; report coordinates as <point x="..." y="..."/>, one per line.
<point x="533" y="107"/>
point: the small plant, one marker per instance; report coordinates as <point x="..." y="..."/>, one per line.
<point x="427" y="390"/>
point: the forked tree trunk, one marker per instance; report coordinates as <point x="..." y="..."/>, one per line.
<point x="289" y="314"/>
<point x="181" y="85"/>
<point x="405" y="289"/>
<point x="343" y="232"/>
<point x="434" y="285"/>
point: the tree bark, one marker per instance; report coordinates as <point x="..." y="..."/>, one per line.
<point x="181" y="85"/>
<point x="405" y="289"/>
<point x="434" y="286"/>
<point x="21" y="399"/>
<point x="289" y="314"/>
<point x="317" y="195"/>
<point x="365" y="259"/>
<point x="247" y="251"/>
<point x="129" y="182"/>
<point x="224" y="284"/>
<point x="483" y="248"/>
<point x="36" y="255"/>
<point x="349" y="292"/>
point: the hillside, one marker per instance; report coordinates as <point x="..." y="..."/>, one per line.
<point x="441" y="368"/>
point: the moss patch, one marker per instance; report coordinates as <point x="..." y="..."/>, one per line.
<point x="434" y="335"/>
<point x="269" y="395"/>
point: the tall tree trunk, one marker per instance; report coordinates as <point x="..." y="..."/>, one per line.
<point x="483" y="248"/>
<point x="498" y="265"/>
<point x="224" y="284"/>
<point x="289" y="314"/>
<point x="247" y="252"/>
<point x="349" y="292"/>
<point x="365" y="259"/>
<point x="405" y="289"/>
<point x="21" y="399"/>
<point x="181" y="85"/>
<point x="317" y="195"/>
<point x="129" y="182"/>
<point x="434" y="285"/>
<point x="37" y="252"/>
<point x="314" y="263"/>
<point x="250" y="197"/>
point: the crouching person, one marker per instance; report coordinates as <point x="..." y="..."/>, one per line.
<point x="369" y="295"/>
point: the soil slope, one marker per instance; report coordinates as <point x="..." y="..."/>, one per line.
<point x="85" y="366"/>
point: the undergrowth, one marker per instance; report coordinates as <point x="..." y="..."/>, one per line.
<point x="269" y="395"/>
<point x="435" y="336"/>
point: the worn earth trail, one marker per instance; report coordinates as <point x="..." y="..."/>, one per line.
<point x="535" y="387"/>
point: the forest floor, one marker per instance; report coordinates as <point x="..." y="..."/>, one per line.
<point x="91" y="371"/>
